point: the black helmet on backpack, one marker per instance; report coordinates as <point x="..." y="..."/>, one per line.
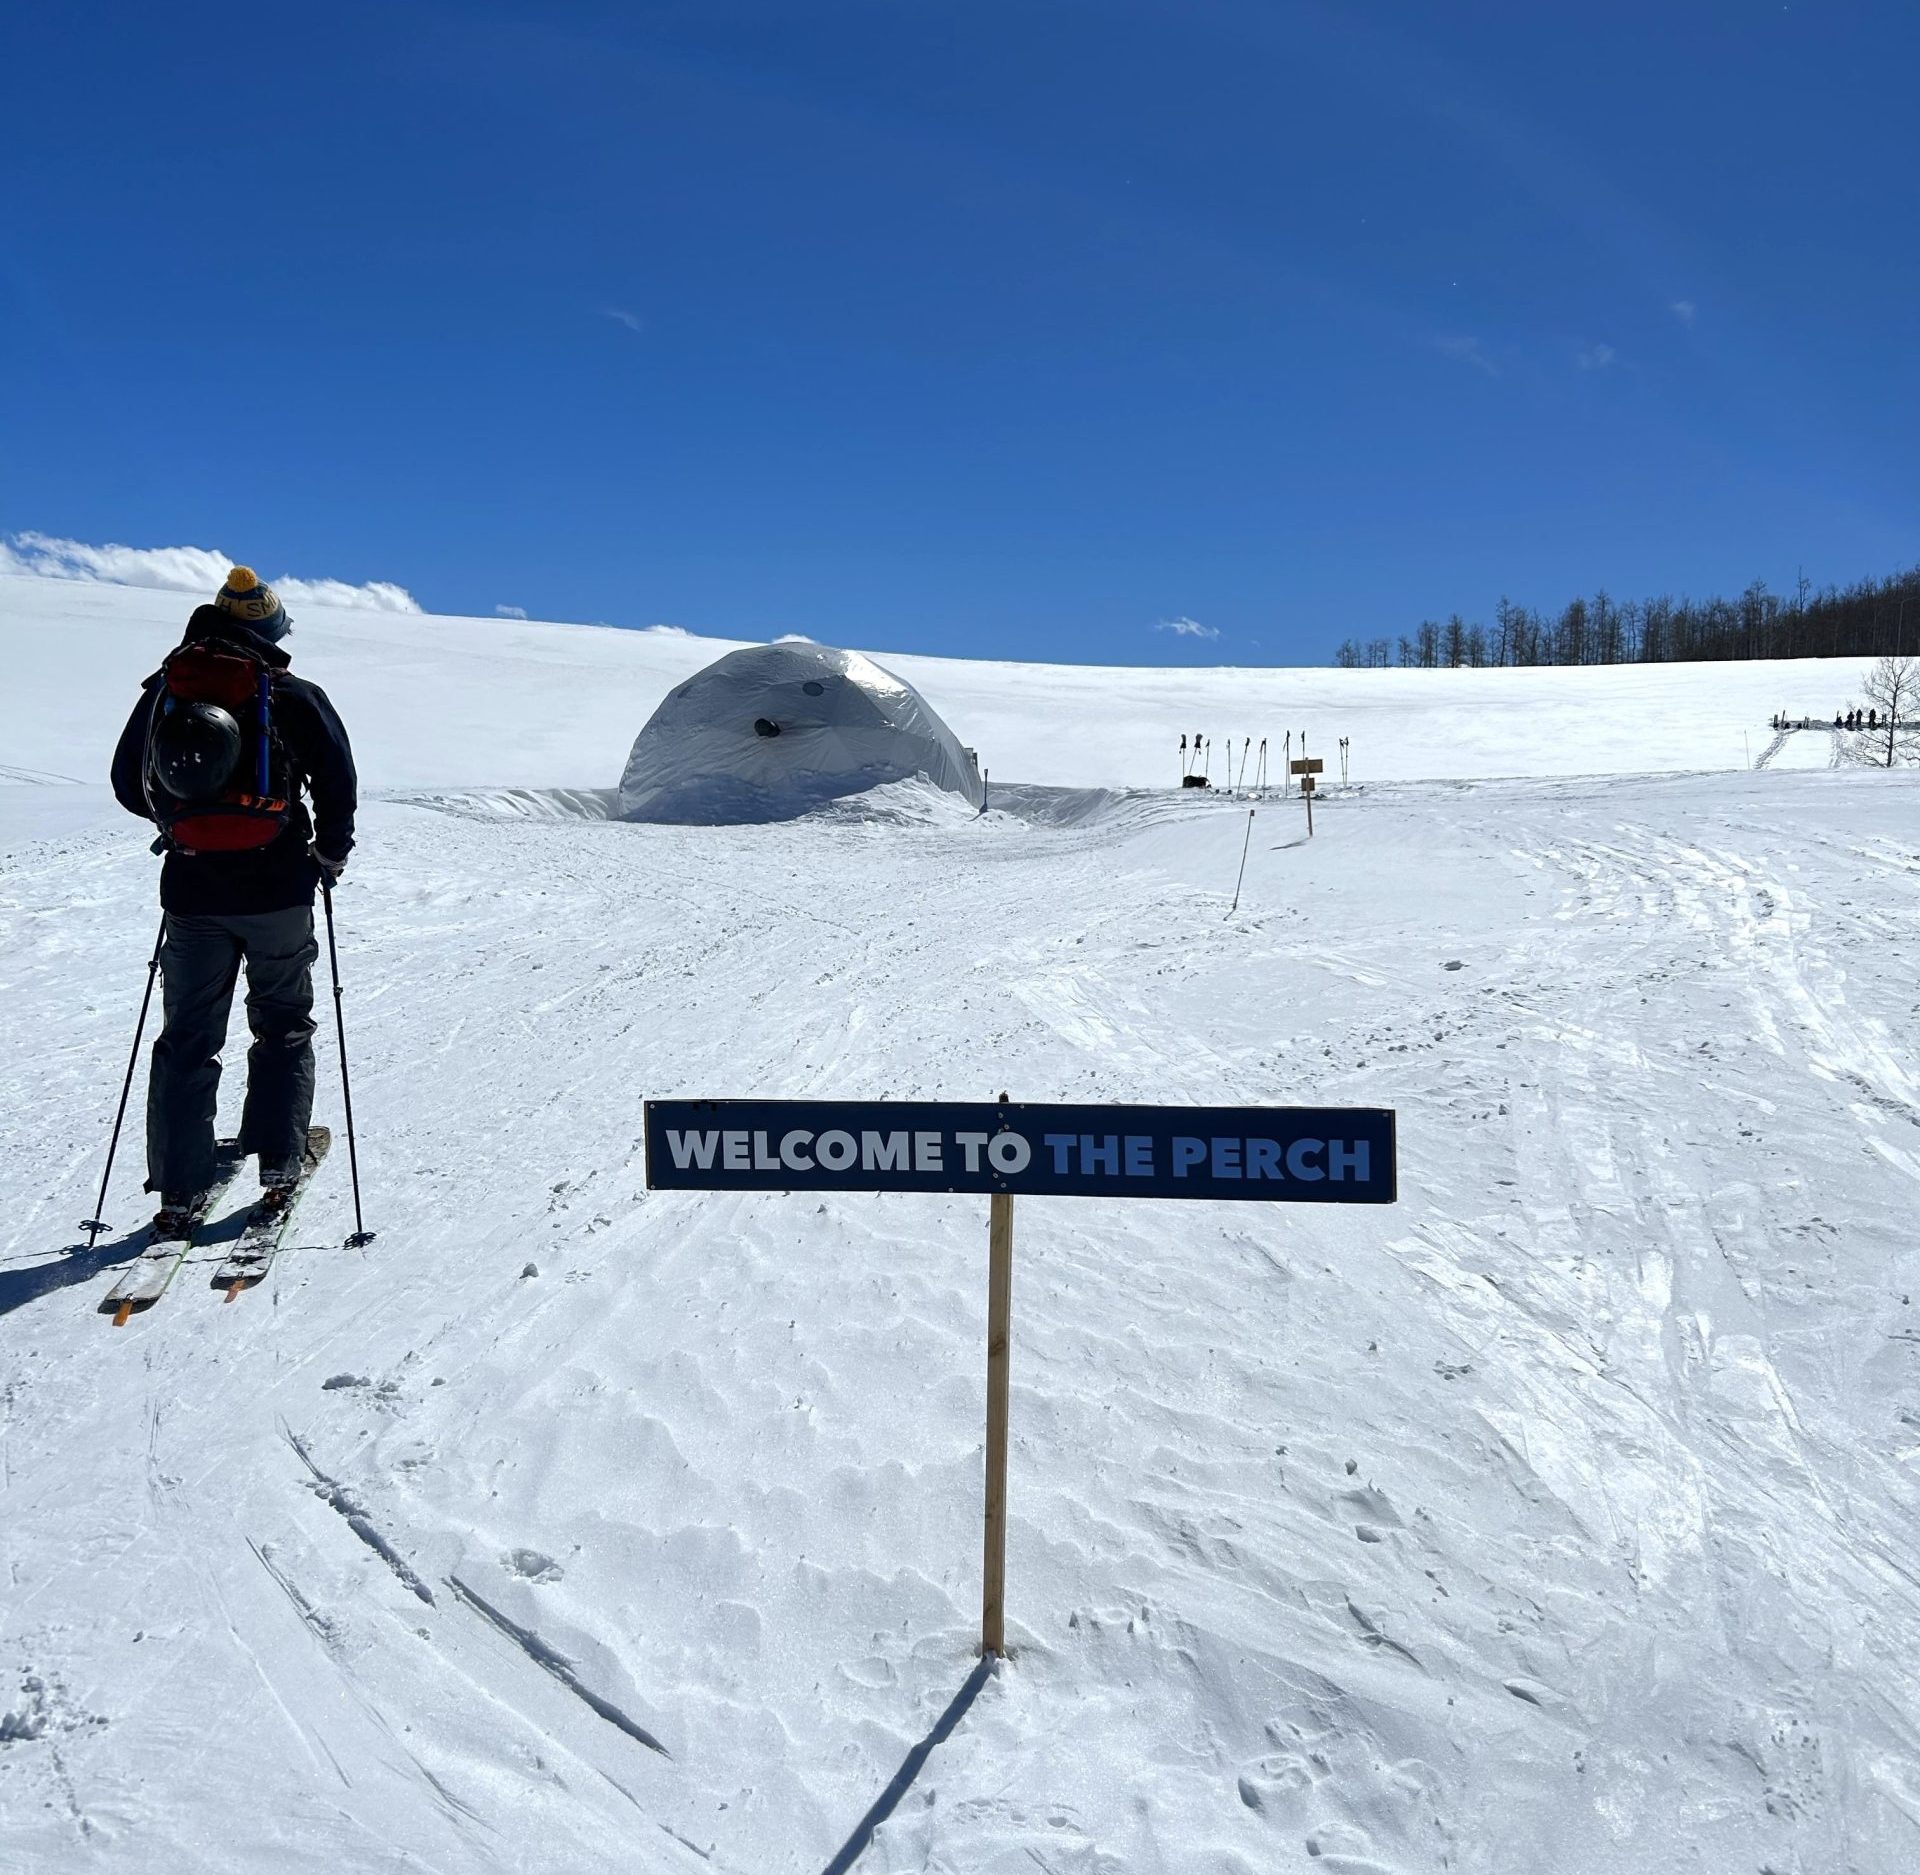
<point x="194" y="748"/>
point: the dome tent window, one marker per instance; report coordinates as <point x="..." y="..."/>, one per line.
<point x="770" y="732"/>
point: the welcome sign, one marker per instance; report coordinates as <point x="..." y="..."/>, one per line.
<point x="1297" y="1155"/>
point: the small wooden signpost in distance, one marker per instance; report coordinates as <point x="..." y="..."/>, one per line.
<point x="1306" y="768"/>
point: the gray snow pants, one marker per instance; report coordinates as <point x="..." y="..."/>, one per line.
<point x="199" y="967"/>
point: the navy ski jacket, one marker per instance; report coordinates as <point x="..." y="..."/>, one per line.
<point x="281" y="874"/>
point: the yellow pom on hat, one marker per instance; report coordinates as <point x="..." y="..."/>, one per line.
<point x="242" y="579"/>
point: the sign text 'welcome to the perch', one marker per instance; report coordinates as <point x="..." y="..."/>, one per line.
<point x="1300" y="1155"/>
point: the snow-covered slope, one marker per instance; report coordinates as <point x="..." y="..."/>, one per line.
<point x="459" y="702"/>
<point x="1560" y="1519"/>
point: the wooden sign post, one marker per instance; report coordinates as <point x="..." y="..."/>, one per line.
<point x="1306" y="770"/>
<point x="1304" y="1155"/>
<point x="993" y="1569"/>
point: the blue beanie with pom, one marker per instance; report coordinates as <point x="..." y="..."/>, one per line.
<point x="248" y="600"/>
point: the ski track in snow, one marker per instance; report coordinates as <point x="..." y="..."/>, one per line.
<point x="1561" y="1518"/>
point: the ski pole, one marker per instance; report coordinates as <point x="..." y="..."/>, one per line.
<point x="94" y="1225"/>
<point x="1244" y="844"/>
<point x="361" y="1235"/>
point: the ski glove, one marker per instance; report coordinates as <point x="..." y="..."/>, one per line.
<point x="333" y="868"/>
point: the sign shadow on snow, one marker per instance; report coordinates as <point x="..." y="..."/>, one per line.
<point x="910" y="1768"/>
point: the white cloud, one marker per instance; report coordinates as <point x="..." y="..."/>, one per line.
<point x="509" y="611"/>
<point x="1683" y="310"/>
<point x="1467" y="351"/>
<point x="1595" y="357"/>
<point x="621" y="317"/>
<point x="1187" y="628"/>
<point x="667" y="631"/>
<point x="377" y="595"/>
<point x="200" y="570"/>
<point x="172" y="569"/>
<point x="795" y="638"/>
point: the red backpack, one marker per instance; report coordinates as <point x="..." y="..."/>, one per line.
<point x="217" y="775"/>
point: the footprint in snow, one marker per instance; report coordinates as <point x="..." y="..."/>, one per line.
<point x="531" y="1566"/>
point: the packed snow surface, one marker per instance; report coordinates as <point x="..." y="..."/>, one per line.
<point x="1561" y="1518"/>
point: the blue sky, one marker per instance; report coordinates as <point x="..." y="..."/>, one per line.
<point x="976" y="328"/>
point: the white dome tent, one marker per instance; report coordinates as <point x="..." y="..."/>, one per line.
<point x="772" y="731"/>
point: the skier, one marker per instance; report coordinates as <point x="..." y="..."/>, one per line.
<point x="216" y="753"/>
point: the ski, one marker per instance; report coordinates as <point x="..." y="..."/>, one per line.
<point x="252" y="1256"/>
<point x="154" y="1269"/>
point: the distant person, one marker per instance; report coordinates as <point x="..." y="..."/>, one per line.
<point x="1873" y="719"/>
<point x="216" y="754"/>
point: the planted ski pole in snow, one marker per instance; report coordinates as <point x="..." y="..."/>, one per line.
<point x="94" y="1225"/>
<point x="361" y="1235"/>
<point x="1244" y="844"/>
<point x="1302" y="1155"/>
